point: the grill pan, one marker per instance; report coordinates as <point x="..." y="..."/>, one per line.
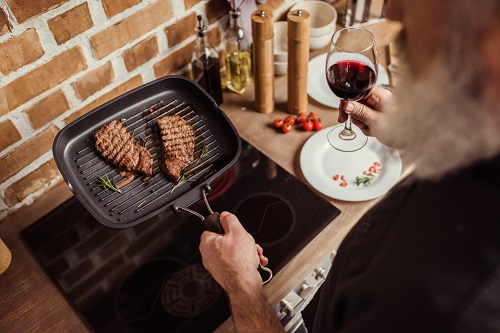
<point x="81" y="164"/>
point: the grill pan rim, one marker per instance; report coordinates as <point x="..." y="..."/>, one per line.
<point x="231" y="139"/>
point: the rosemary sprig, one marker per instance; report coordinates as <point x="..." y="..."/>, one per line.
<point x="186" y="175"/>
<point x="181" y="181"/>
<point x="145" y="142"/>
<point x="364" y="180"/>
<point x="105" y="182"/>
<point x="204" y="152"/>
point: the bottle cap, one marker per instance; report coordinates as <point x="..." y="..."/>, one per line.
<point x="201" y="30"/>
<point x="235" y="13"/>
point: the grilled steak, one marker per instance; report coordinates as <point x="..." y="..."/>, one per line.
<point x="115" y="144"/>
<point x="177" y="145"/>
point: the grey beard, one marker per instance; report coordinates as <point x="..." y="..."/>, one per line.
<point x="441" y="123"/>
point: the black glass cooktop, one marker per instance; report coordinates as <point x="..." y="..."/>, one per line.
<point x="149" y="278"/>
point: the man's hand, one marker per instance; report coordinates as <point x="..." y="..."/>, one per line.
<point x="367" y="114"/>
<point x="232" y="258"/>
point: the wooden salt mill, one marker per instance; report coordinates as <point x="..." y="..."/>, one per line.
<point x="298" y="58"/>
<point x="263" y="55"/>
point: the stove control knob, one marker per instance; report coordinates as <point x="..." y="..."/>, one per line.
<point x="306" y="290"/>
<point x="320" y="273"/>
<point x="290" y="303"/>
<point x="287" y="308"/>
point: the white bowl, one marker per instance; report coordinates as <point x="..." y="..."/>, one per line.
<point x="280" y="68"/>
<point x="323" y="16"/>
<point x="280" y="41"/>
<point x="319" y="42"/>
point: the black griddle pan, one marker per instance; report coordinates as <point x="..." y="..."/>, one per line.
<point x="81" y="164"/>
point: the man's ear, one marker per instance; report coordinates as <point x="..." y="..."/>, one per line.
<point x="491" y="56"/>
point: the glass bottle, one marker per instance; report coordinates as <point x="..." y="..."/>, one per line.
<point x="205" y="64"/>
<point x="238" y="54"/>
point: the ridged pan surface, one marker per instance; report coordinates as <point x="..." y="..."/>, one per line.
<point x="81" y="164"/>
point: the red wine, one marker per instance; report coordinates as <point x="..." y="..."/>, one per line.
<point x="206" y="73"/>
<point x="351" y="80"/>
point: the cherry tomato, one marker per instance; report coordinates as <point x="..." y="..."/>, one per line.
<point x="343" y="178"/>
<point x="376" y="163"/>
<point x="302" y="118"/>
<point x="373" y="169"/>
<point x="308" y="125"/>
<point x="278" y="122"/>
<point x="335" y="177"/>
<point x="286" y="127"/>
<point x="367" y="173"/>
<point x="290" y="120"/>
<point x="318" y="125"/>
<point x="343" y="184"/>
<point x="312" y="115"/>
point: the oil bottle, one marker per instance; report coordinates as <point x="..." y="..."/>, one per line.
<point x="238" y="54"/>
<point x="205" y="64"/>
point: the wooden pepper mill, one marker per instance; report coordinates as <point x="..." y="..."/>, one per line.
<point x="5" y="257"/>
<point x="298" y="58"/>
<point x="263" y="55"/>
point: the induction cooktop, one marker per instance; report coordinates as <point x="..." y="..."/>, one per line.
<point x="150" y="278"/>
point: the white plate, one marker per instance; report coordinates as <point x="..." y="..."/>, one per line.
<point x="318" y="88"/>
<point x="320" y="162"/>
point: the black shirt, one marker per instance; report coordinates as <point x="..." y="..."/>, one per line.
<point x="425" y="259"/>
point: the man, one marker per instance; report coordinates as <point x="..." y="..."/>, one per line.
<point x="427" y="257"/>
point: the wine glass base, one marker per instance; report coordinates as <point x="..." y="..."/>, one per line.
<point x="346" y="142"/>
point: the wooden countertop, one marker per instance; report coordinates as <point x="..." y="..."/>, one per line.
<point x="31" y="302"/>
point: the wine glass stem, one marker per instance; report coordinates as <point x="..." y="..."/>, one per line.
<point x="348" y="126"/>
<point x="347" y="133"/>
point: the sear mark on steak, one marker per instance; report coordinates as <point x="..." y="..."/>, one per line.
<point x="115" y="144"/>
<point x="177" y="145"/>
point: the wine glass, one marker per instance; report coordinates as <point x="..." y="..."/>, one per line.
<point x="351" y="73"/>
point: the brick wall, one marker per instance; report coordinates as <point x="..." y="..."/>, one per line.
<point x="61" y="58"/>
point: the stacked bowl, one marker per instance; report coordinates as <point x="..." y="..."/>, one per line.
<point x="280" y="47"/>
<point x="323" y="18"/>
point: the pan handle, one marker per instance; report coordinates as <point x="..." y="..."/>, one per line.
<point x="212" y="223"/>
